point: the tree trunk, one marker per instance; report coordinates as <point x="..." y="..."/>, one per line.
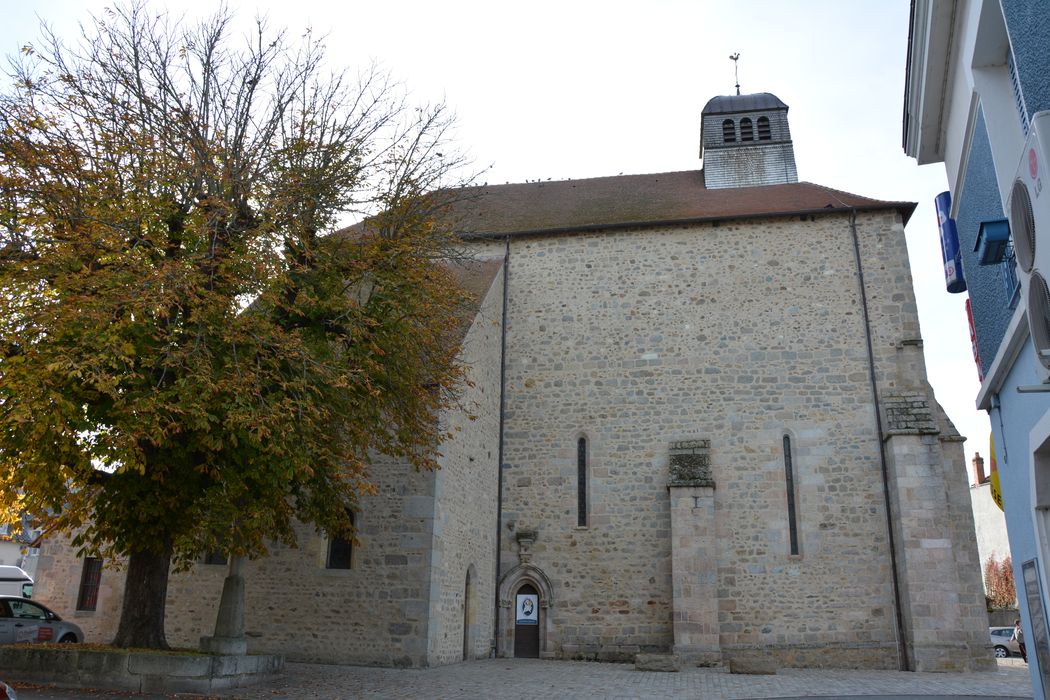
<point x="145" y="597"/>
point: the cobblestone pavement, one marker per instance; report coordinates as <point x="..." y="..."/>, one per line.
<point x="527" y="678"/>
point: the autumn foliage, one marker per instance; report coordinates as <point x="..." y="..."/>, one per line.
<point x="999" y="583"/>
<point x="188" y="361"/>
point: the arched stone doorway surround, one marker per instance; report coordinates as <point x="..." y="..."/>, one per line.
<point x="508" y="587"/>
<point x="470" y="614"/>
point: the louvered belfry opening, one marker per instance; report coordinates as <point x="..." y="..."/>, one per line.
<point x="729" y="131"/>
<point x="746" y="134"/>
<point x="763" y="129"/>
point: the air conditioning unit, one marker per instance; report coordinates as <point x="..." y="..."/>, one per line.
<point x="1029" y="213"/>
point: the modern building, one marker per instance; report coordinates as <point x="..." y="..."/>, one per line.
<point x="704" y="427"/>
<point x="977" y="95"/>
<point x="989" y="522"/>
<point x="17" y="546"/>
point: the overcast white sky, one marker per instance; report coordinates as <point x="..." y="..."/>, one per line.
<point x="575" y="88"/>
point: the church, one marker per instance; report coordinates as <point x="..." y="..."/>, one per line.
<point x="703" y="428"/>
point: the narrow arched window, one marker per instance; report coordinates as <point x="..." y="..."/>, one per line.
<point x="581" y="482"/>
<point x="746" y="134"/>
<point x="340" y="550"/>
<point x="763" y="129"/>
<point x="789" y="477"/>
<point x="728" y="131"/>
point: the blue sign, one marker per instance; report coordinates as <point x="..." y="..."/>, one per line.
<point x="953" y="269"/>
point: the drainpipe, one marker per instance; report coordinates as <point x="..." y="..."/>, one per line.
<point x="499" y="453"/>
<point x="902" y="640"/>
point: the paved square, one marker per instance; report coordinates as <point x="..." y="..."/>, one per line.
<point x="528" y="678"/>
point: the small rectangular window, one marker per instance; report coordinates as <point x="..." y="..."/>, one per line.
<point x="215" y="558"/>
<point x="340" y="550"/>
<point x="90" y="578"/>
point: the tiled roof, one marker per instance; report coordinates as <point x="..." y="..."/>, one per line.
<point x="629" y="201"/>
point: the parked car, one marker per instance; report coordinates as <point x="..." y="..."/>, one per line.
<point x="23" y="621"/>
<point x="1003" y="643"/>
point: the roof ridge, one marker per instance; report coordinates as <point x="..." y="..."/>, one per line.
<point x="835" y="191"/>
<point x="551" y="181"/>
<point x="699" y="171"/>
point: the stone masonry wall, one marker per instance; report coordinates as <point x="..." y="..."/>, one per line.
<point x="373" y="613"/>
<point x="973" y="611"/>
<point x="465" y="500"/>
<point x="942" y="592"/>
<point x="739" y="333"/>
<point x="732" y="335"/>
<point x="380" y="610"/>
<point x="58" y="582"/>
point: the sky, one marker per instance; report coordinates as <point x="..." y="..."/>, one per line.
<point x="588" y="88"/>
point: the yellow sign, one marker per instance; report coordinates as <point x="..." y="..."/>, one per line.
<point x="993" y="477"/>
<point x="997" y="494"/>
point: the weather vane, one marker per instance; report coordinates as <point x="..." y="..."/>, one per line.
<point x="735" y="58"/>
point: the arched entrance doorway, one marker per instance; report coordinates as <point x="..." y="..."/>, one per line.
<point x="468" y="616"/>
<point x="526" y="623"/>
<point x="525" y="580"/>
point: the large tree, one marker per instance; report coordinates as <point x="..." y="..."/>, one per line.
<point x="188" y="361"/>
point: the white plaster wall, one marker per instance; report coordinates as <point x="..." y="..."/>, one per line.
<point x="990" y="524"/>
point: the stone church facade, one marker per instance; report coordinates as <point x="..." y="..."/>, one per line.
<point x="707" y="393"/>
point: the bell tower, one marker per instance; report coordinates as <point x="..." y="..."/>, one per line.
<point x="745" y="142"/>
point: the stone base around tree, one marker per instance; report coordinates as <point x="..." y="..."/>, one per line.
<point x="140" y="670"/>
<point x="224" y="645"/>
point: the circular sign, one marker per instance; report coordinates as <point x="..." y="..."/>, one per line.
<point x="1033" y="163"/>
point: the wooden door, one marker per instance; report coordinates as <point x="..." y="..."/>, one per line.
<point x="526" y="623"/>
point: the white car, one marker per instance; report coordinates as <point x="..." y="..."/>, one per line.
<point x="1002" y="642"/>
<point x="25" y="621"/>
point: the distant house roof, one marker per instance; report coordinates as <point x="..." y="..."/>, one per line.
<point x="630" y="201"/>
<point x="759" y="101"/>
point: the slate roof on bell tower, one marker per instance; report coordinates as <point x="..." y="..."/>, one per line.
<point x="728" y="104"/>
